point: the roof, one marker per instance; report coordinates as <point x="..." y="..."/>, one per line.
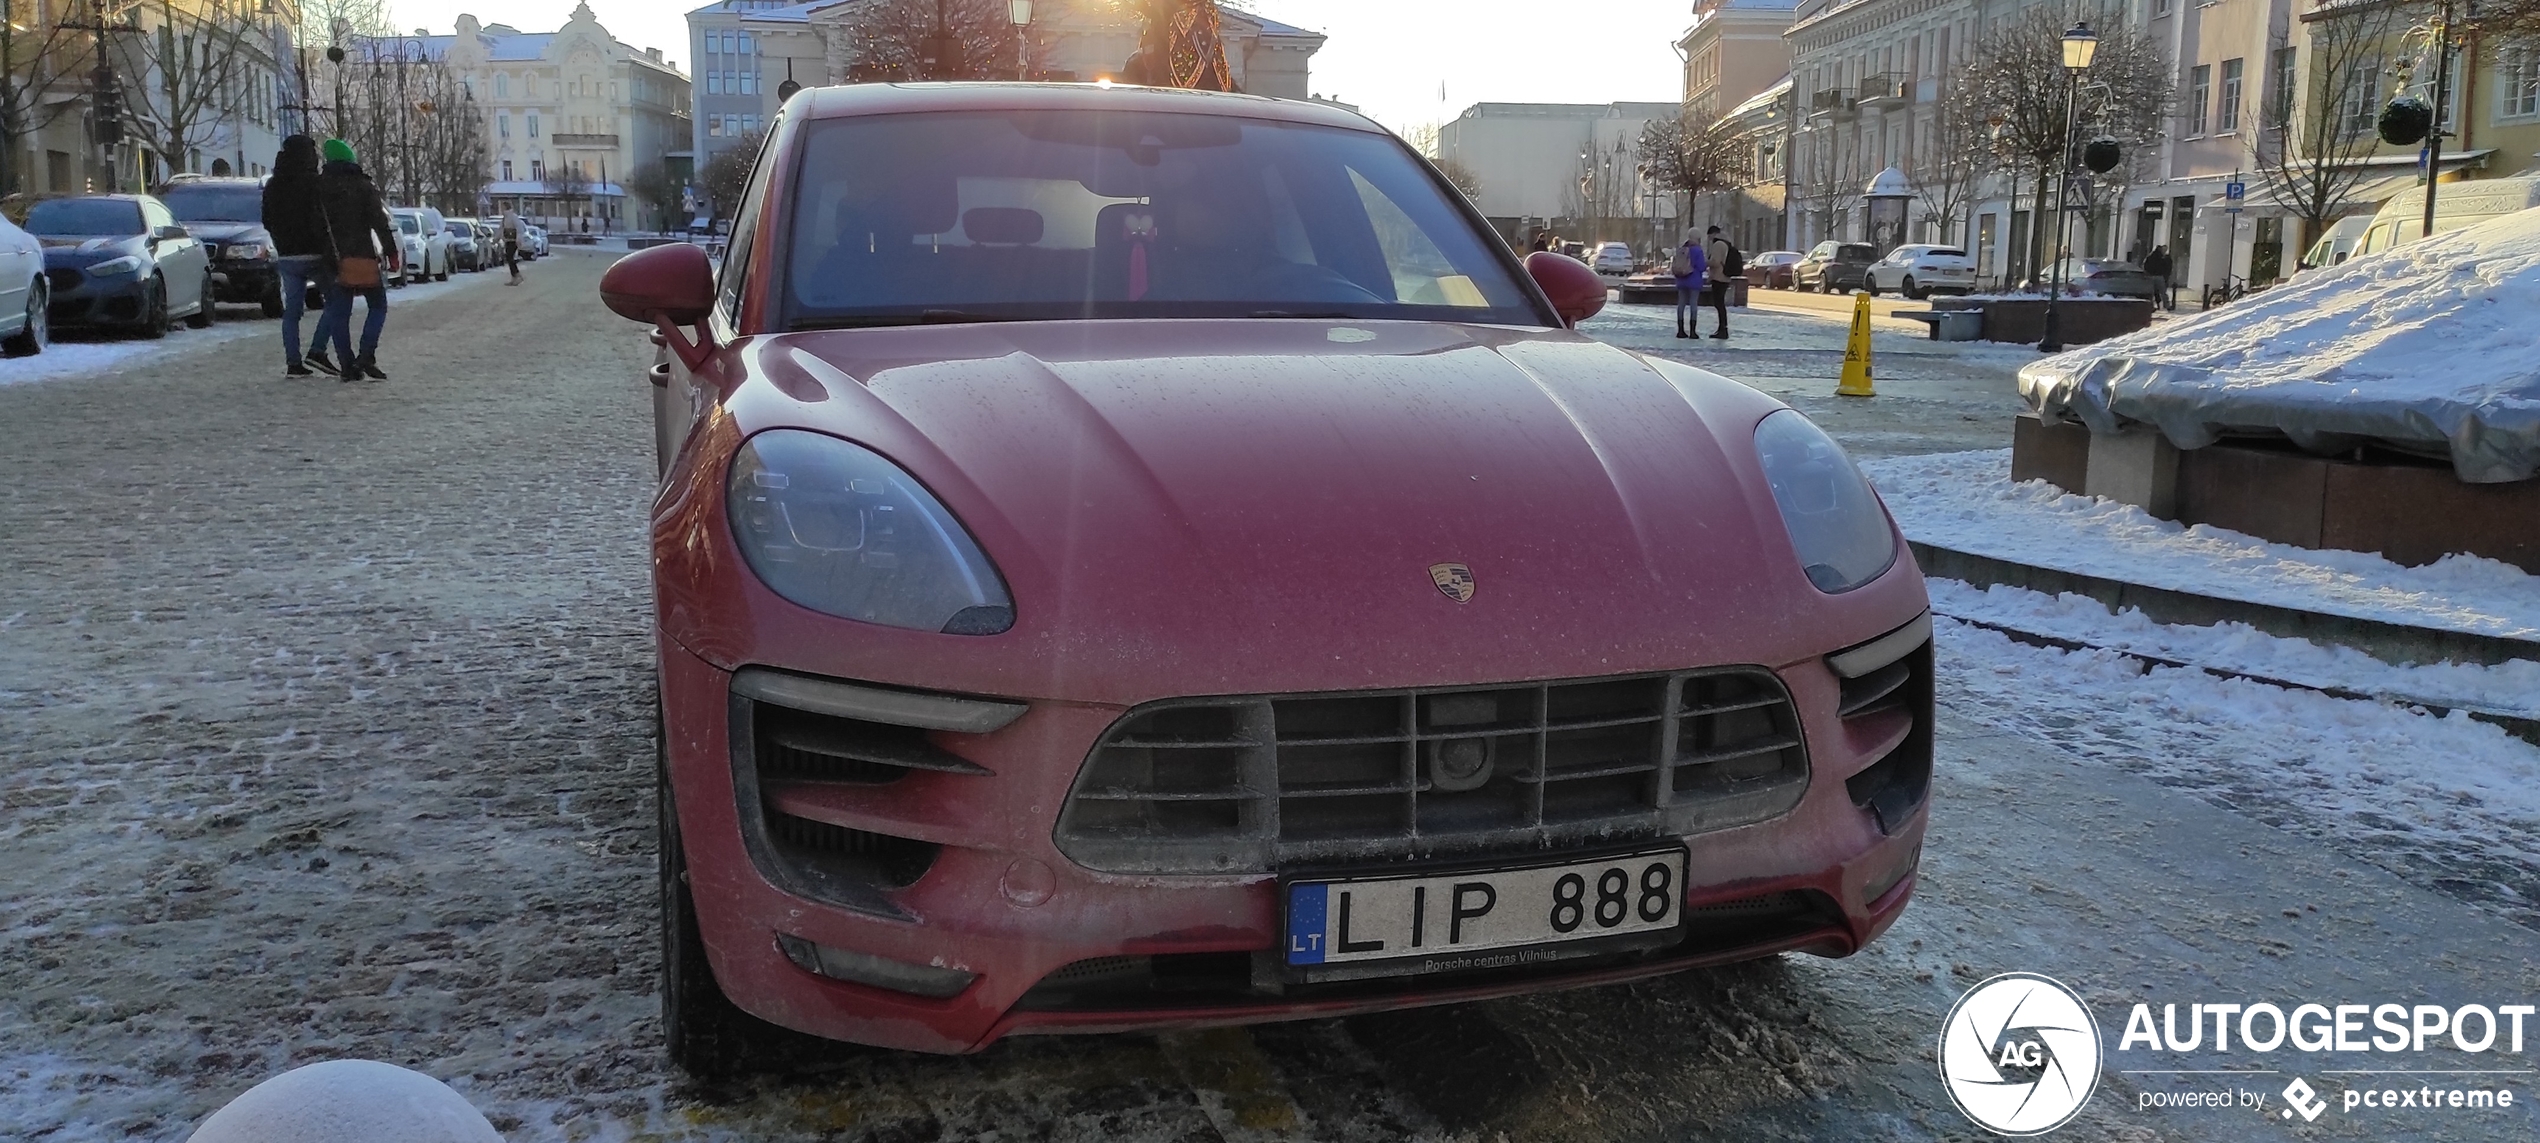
<point x="1270" y="27"/>
<point x="537" y="188"/>
<point x="1780" y="90"/>
<point x="1624" y="110"/>
<point x="895" y="98"/>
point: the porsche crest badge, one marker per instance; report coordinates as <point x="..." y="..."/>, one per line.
<point x="1455" y="581"/>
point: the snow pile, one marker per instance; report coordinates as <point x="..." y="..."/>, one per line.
<point x="1965" y="501"/>
<point x="2428" y="347"/>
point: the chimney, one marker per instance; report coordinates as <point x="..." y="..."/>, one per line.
<point x="653" y="54"/>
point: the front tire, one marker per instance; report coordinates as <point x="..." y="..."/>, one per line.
<point x="708" y="1036"/>
<point x="37" y="332"/>
<point x="154" y="308"/>
<point x="203" y="315"/>
<point x="1911" y="290"/>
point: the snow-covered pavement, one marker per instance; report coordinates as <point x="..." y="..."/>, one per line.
<point x="1966" y="502"/>
<point x="101" y="355"/>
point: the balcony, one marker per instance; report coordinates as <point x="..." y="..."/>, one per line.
<point x="586" y="142"/>
<point x="1886" y="92"/>
<point x="1832" y="103"/>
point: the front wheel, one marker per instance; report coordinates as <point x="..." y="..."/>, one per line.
<point x="1911" y="290"/>
<point x="154" y="308"/>
<point x="32" y="337"/>
<point x="203" y="315"/>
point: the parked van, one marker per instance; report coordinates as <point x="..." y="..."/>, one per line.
<point x="2456" y="205"/>
<point x="2343" y="236"/>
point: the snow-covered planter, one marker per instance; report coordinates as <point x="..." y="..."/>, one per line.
<point x="2080" y="318"/>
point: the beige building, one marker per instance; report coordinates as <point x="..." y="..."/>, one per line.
<point x="746" y="51"/>
<point x="1572" y="166"/>
<point x="236" y="105"/>
<point x="1733" y="51"/>
<point x="568" y="110"/>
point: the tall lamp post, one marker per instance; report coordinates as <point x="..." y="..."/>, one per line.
<point x="2080" y="46"/>
<point x="1021" y="11"/>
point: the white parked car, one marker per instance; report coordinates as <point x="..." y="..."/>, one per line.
<point x="533" y="241"/>
<point x="24" y="295"/>
<point x="1920" y="270"/>
<point x="425" y="235"/>
<point x="1611" y="259"/>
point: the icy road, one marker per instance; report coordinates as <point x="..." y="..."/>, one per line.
<point x="325" y="717"/>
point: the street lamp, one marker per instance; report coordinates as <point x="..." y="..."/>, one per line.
<point x="1021" y="11"/>
<point x="2080" y="47"/>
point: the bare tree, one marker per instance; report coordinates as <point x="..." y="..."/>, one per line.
<point x="1462" y="176"/>
<point x="727" y="174"/>
<point x="192" y="63"/>
<point x="652" y="185"/>
<point x="1962" y="153"/>
<point x="1693" y="154"/>
<point x="328" y="86"/>
<point x="898" y="41"/>
<point x="2016" y="73"/>
<point x="452" y="158"/>
<point x="40" y="56"/>
<point x="2312" y="149"/>
<point x="1427" y="140"/>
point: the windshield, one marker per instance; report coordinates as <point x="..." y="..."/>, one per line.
<point x="1041" y="215"/>
<point x="456" y="228"/>
<point x="84" y="216"/>
<point x="407" y="223"/>
<point x="231" y="203"/>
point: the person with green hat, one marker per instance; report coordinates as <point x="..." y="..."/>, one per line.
<point x="366" y="250"/>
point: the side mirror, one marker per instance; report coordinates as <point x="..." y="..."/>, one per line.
<point x="169" y="234"/>
<point x="1575" y="291"/>
<point x="666" y="287"/>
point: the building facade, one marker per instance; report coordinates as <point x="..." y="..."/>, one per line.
<point x="746" y="51"/>
<point x="203" y="84"/>
<point x="1574" y="167"/>
<point x="1734" y="50"/>
<point x="571" y="117"/>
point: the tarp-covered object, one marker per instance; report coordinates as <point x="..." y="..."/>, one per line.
<point x="2433" y="348"/>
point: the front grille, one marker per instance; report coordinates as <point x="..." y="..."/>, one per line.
<point x="64" y="278"/>
<point x="779" y="752"/>
<point x="1897" y="695"/>
<point x="1247" y="784"/>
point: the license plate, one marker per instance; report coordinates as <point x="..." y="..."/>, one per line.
<point x="1440" y="921"/>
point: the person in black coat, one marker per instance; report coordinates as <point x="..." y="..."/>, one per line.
<point x="357" y="227"/>
<point x="2157" y="264"/>
<point x="303" y="256"/>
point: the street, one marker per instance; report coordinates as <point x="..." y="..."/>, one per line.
<point x="330" y="714"/>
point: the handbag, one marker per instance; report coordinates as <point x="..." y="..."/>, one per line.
<point x="357" y="273"/>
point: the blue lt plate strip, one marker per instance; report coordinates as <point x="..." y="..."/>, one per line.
<point x="1307" y="905"/>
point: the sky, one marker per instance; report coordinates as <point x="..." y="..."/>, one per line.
<point x="1390" y="57"/>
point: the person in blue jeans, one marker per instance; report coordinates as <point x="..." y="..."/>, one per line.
<point x="302" y="253"/>
<point x="358" y="227"/>
<point x="1690" y="267"/>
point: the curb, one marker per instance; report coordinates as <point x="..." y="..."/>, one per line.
<point x="2396" y="643"/>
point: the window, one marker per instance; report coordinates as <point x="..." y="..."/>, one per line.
<point x="503" y="124"/>
<point x="2227" y="116"/>
<point x="537" y="170"/>
<point x="533" y="124"/>
<point x="507" y="170"/>
<point x="2518" y="77"/>
<point x="2362" y="96"/>
<point x="714" y="126"/>
<point x="749" y="83"/>
<point x="2285" y="79"/>
<point x="2200" y="99"/>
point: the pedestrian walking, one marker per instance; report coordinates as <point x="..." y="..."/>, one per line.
<point x="1690" y="267"/>
<point x="365" y="247"/>
<point x="511" y="243"/>
<point x="1721" y="261"/>
<point x="303" y="256"/>
<point x="2157" y="264"/>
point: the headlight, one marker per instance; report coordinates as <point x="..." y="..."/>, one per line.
<point x="1835" y="521"/>
<point x="113" y="266"/>
<point x="837" y="529"/>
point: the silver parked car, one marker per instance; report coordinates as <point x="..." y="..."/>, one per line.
<point x="2106" y="276"/>
<point x="1919" y="270"/>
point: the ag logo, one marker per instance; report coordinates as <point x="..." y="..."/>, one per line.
<point x="2020" y="1054"/>
<point x="1455" y="581"/>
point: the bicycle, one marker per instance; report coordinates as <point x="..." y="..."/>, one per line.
<point x="2232" y="288"/>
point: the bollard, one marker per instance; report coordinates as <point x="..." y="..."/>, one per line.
<point x="1856" y="352"/>
<point x="341" y="1101"/>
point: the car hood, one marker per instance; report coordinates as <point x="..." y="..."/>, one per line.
<point x="226" y="231"/>
<point x="82" y="249"/>
<point x="1201" y="507"/>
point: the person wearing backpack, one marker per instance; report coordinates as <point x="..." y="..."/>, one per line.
<point x="1725" y="264"/>
<point x="1687" y="265"/>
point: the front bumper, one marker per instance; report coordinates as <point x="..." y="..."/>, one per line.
<point x="242" y="280"/>
<point x="995" y="899"/>
<point x="121" y="300"/>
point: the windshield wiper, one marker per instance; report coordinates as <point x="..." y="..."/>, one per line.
<point x="922" y="317"/>
<point x="1303" y="314"/>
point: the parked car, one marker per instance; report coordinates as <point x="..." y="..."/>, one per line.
<point x="2106" y="276"/>
<point x="1834" y="266"/>
<point x="1920" y="270"/>
<point x="533" y="241"/>
<point x="1097" y="622"/>
<point x="2456" y="205"/>
<point x="465" y="253"/>
<point x="427" y="240"/>
<point x="227" y="216"/>
<point x="1771" y="270"/>
<point x="121" y="261"/>
<point x="1611" y="259"/>
<point x="23" y="327"/>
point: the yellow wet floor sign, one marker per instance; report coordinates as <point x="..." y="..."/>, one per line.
<point x="1856" y="352"/>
